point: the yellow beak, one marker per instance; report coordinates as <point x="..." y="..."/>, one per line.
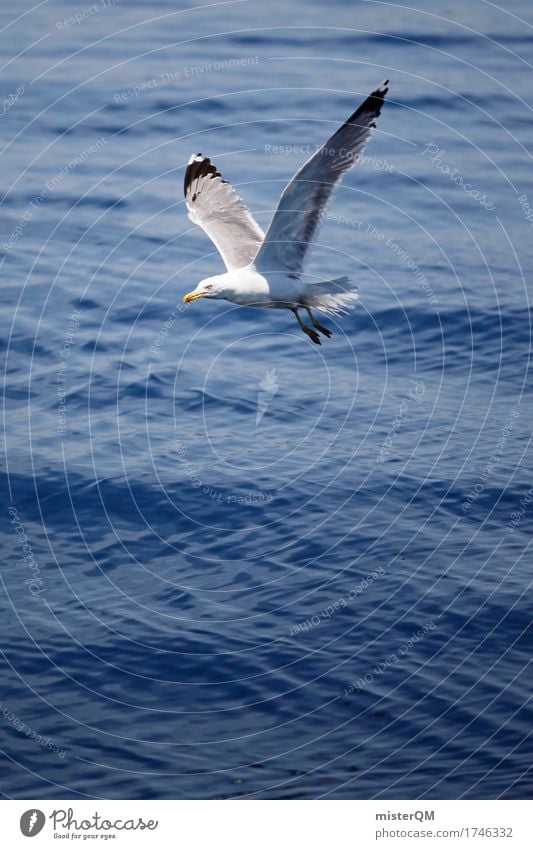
<point x="192" y="296"/>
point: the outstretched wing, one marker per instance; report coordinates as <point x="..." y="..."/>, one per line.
<point x="304" y="199"/>
<point x="215" y="206"/>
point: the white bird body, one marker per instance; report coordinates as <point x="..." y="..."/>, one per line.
<point x="265" y="270"/>
<point x="280" y="290"/>
<point x="248" y="287"/>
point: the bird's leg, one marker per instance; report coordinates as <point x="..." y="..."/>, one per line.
<point x="317" y="324"/>
<point x="311" y="333"/>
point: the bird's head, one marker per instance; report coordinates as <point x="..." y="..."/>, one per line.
<point x="211" y="287"/>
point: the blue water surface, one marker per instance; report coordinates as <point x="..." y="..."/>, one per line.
<point x="237" y="564"/>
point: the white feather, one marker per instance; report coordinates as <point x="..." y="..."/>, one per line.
<point x="215" y="207"/>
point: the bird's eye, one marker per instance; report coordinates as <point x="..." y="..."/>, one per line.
<point x="209" y="287"/>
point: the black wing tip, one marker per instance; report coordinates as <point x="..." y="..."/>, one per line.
<point x="198" y="166"/>
<point x="372" y="104"/>
<point x="382" y="90"/>
<point x="376" y="97"/>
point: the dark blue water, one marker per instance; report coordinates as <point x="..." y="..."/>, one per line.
<point x="237" y="564"/>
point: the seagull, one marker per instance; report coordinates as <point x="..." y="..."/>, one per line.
<point x="264" y="270"/>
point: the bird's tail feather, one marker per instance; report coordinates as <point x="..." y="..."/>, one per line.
<point x="332" y="297"/>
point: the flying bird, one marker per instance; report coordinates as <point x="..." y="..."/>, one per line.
<point x="264" y="270"/>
